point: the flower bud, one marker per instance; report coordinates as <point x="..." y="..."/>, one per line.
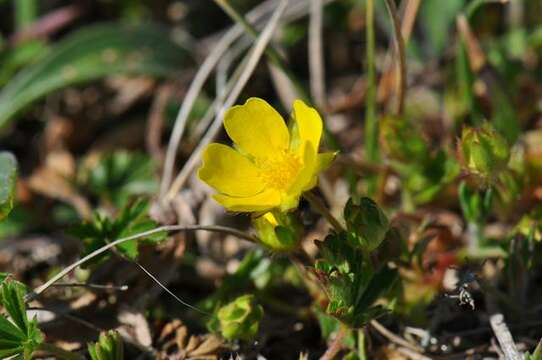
<point x="485" y="152"/>
<point x="278" y="231"/>
<point x="240" y="318"/>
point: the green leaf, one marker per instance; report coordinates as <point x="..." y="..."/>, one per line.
<point x="437" y="18"/>
<point x="367" y="224"/>
<point x="119" y="176"/>
<point x="8" y="178"/>
<point x="108" y="347"/>
<point x="89" y="54"/>
<point x="132" y="220"/>
<point x="20" y="335"/>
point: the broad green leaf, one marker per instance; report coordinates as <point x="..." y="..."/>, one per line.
<point x="8" y="177"/>
<point x="437" y="18"/>
<point x="90" y="54"/>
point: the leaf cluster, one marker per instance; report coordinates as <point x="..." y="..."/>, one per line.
<point x="131" y="220"/>
<point x="19" y="335"/>
<point x="348" y="268"/>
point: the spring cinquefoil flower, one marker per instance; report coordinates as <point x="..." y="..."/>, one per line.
<point x="270" y="165"/>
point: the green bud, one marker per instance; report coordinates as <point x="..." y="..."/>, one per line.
<point x="484" y="151"/>
<point x="366" y="223"/>
<point x="108" y="347"/>
<point x="278" y="231"/>
<point x="240" y="318"/>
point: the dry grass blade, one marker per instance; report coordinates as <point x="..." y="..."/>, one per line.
<point x="112" y="244"/>
<point x="316" y="54"/>
<point x="195" y="88"/>
<point x="400" y="55"/>
<point x="253" y="59"/>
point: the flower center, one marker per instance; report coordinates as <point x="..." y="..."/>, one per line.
<point x="279" y="171"/>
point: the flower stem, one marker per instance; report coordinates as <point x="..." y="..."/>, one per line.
<point x="371" y="125"/>
<point x="319" y="206"/>
<point x="336" y="345"/>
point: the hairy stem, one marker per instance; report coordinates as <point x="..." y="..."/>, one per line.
<point x="319" y="206"/>
<point x="336" y="345"/>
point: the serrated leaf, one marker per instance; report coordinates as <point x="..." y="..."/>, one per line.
<point x="13" y="301"/>
<point x="90" y="54"/>
<point x="20" y="335"/>
<point x="132" y="220"/>
<point x="8" y="178"/>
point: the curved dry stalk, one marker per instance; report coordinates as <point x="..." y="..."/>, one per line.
<point x="401" y="56"/>
<point x="253" y="59"/>
<point x="195" y="88"/>
<point x="316" y="54"/>
<point x="168" y="228"/>
<point x="319" y="206"/>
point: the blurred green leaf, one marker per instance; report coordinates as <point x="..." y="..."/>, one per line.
<point x="8" y="178"/>
<point x="437" y="18"/>
<point x="90" y="54"/>
<point x="26" y="12"/>
<point x="119" y="176"/>
<point x="108" y="347"/>
<point x="11" y="60"/>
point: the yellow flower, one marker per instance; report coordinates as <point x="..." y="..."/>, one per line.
<point x="271" y="165"/>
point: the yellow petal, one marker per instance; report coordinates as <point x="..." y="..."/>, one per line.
<point x="256" y="128"/>
<point x="305" y="180"/>
<point x="308" y="126"/>
<point x="229" y="172"/>
<point x="266" y="200"/>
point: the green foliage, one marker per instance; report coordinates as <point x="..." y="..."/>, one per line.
<point x="238" y="281"/>
<point x="8" y="178"/>
<point x="239" y="319"/>
<point x="278" y="231"/>
<point x="485" y="152"/>
<point x="537" y="354"/>
<point x="90" y="54"/>
<point x="11" y="60"/>
<point x="131" y="220"/>
<point x="19" y="335"/>
<point x="424" y="172"/>
<point x="366" y="223"/>
<point x="351" y="284"/>
<point x="119" y="176"/>
<point x="475" y="205"/>
<point x="438" y="17"/>
<point x="108" y="347"/>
